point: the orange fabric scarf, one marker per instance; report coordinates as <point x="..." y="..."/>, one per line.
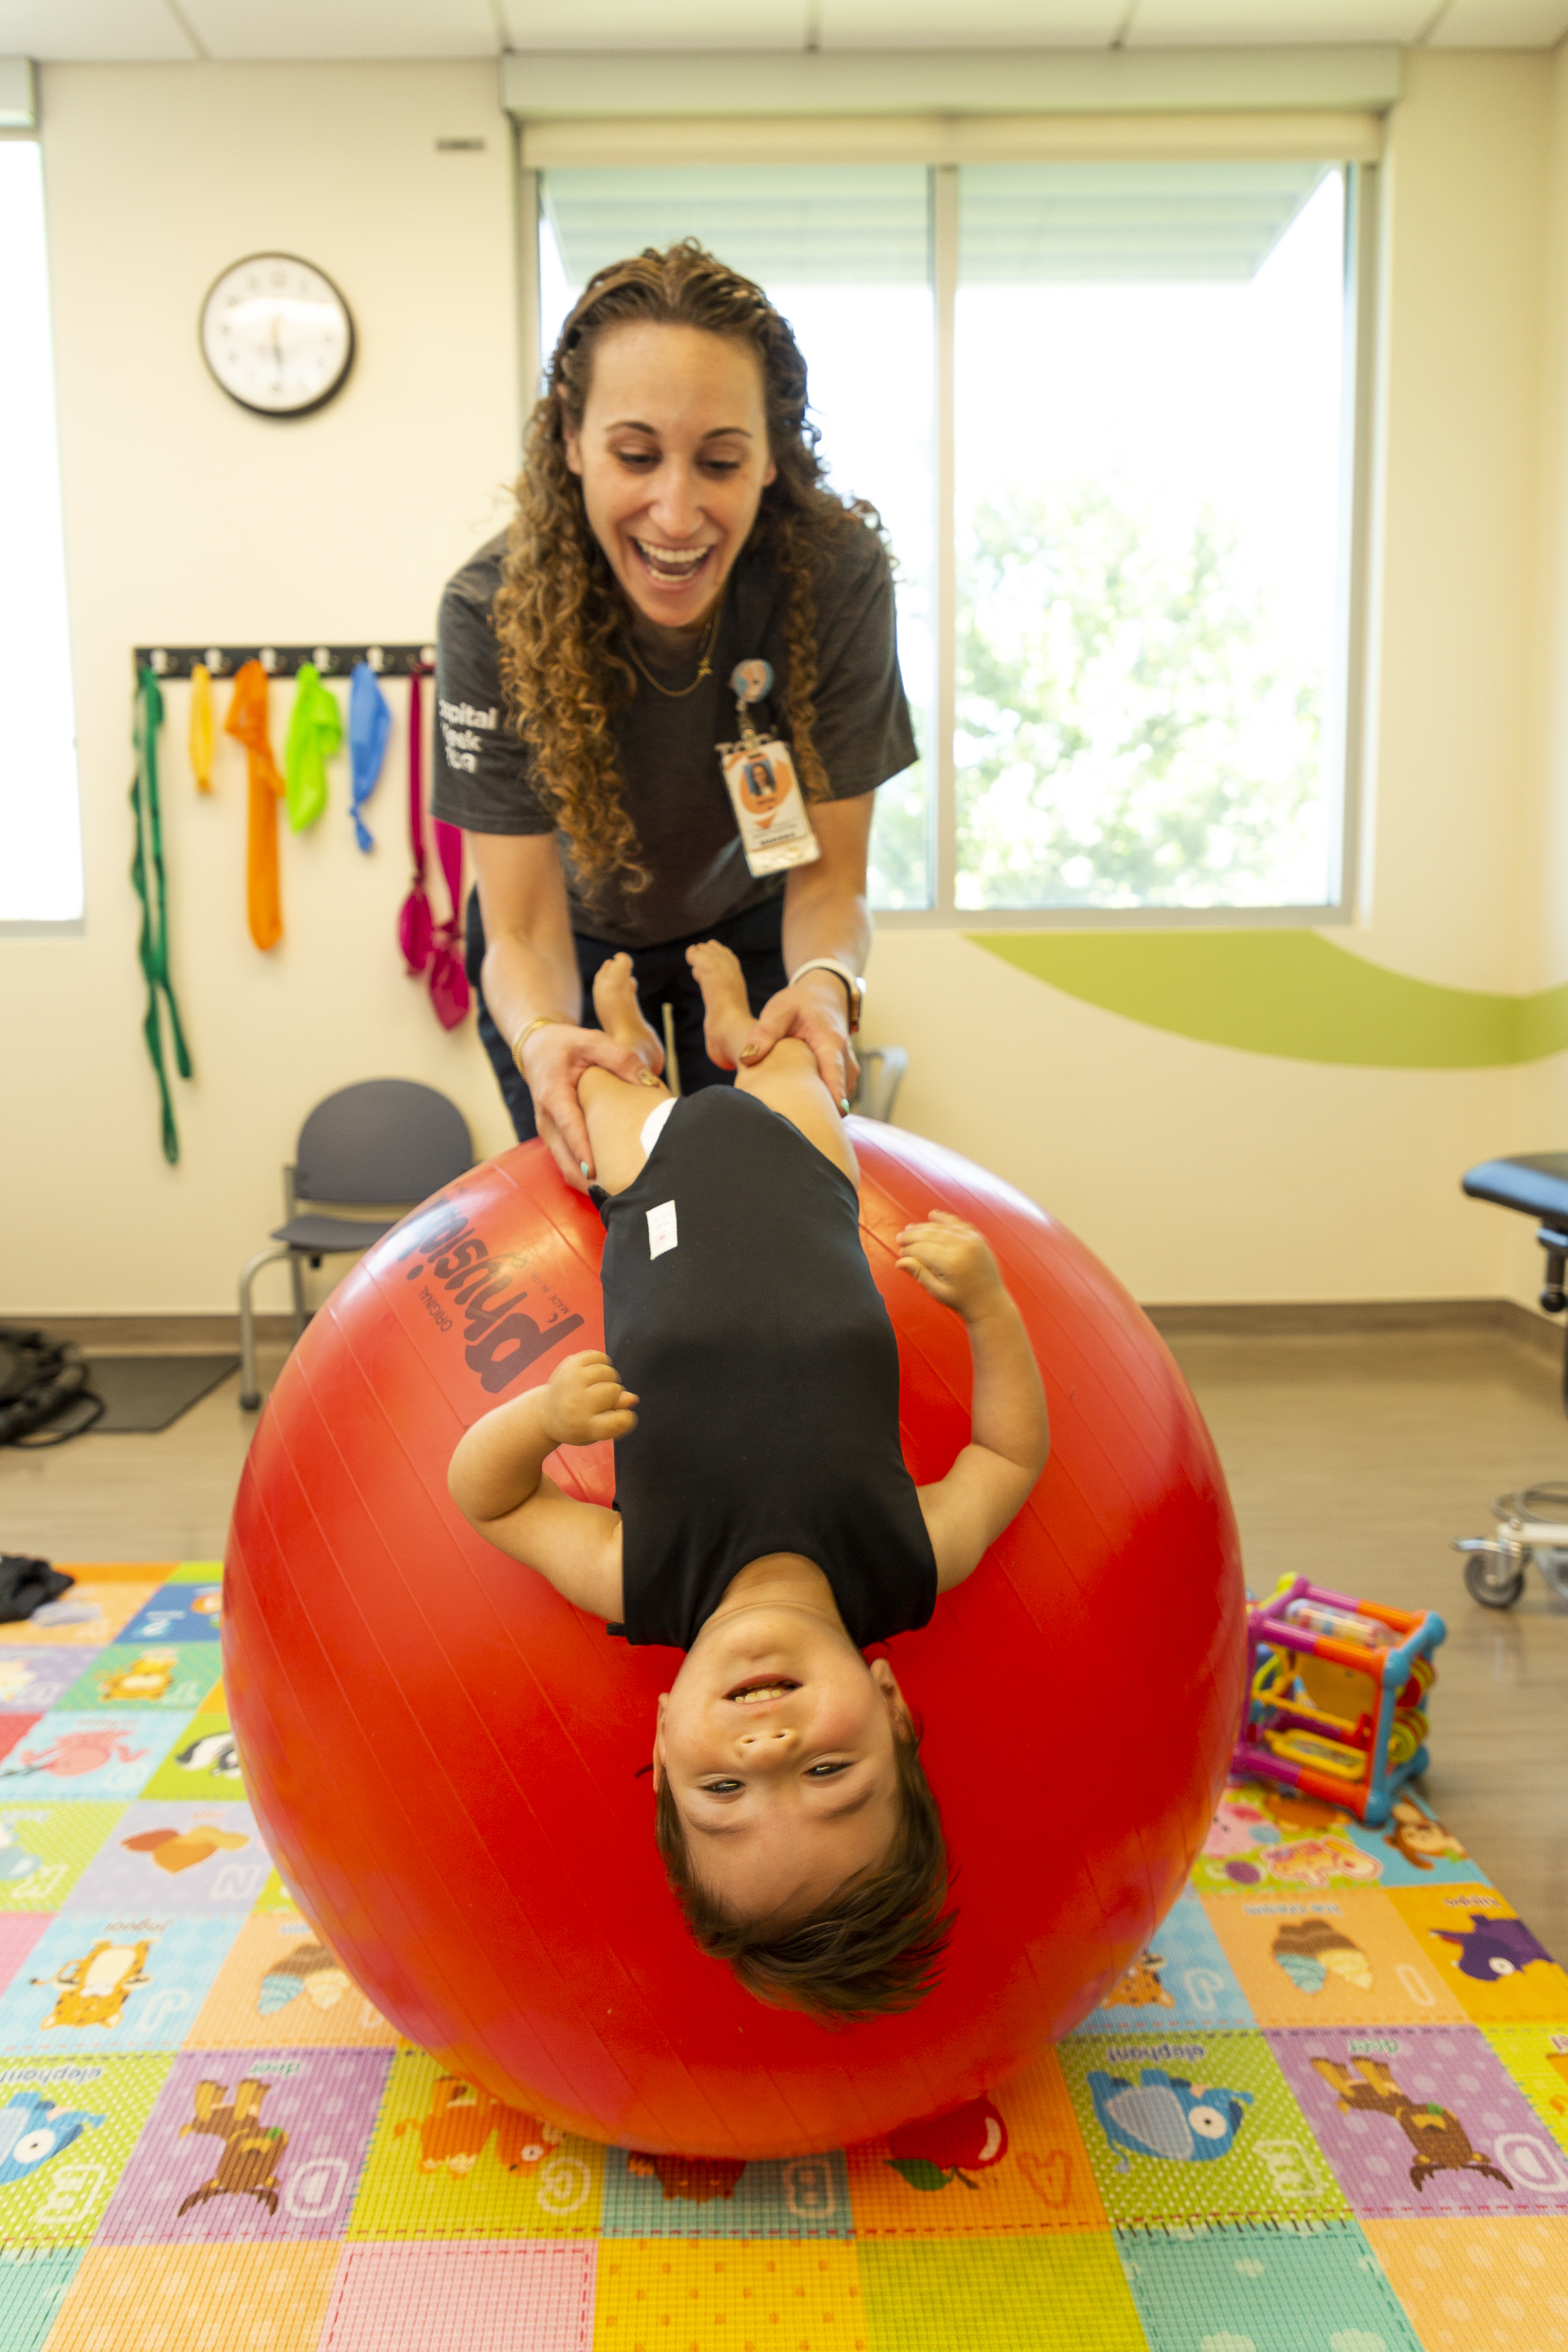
<point x="247" y="722"/>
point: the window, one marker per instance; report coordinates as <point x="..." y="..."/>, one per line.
<point x="1102" y="408"/>
<point x="40" y="838"/>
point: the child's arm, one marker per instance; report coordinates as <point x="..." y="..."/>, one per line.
<point x="994" y="1476"/>
<point x="496" y="1480"/>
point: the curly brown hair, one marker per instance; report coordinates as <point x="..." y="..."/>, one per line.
<point x="874" y="1949"/>
<point x="560" y="612"/>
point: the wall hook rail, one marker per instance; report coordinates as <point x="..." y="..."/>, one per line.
<point x="284" y="661"/>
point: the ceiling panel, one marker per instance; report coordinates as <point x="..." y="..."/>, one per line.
<point x="69" y="32"/>
<point x="676" y="25"/>
<point x="343" y="28"/>
<point x="1501" y="25"/>
<point x="1176" y="24"/>
<point x="985" y="24"/>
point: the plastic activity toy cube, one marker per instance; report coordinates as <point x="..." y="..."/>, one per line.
<point x="1337" y="1696"/>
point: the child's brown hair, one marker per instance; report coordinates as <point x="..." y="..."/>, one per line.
<point x="873" y="1948"/>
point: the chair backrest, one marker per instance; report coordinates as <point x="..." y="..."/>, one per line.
<point x="881" y="1070"/>
<point x="384" y="1140"/>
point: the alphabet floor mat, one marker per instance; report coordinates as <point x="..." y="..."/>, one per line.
<point x="1326" y="2111"/>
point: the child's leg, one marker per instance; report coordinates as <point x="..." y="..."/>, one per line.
<point x="788" y="1081"/>
<point x="616" y="1110"/>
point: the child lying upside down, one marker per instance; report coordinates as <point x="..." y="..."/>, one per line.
<point x="764" y="1521"/>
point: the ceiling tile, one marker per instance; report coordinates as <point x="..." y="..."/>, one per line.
<point x="1501" y="25"/>
<point x="76" y="32"/>
<point x="985" y="24"/>
<point x="1181" y="24"/>
<point x="676" y="25"/>
<point x="343" y="28"/>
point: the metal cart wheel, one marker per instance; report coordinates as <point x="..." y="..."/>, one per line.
<point x="1493" y="1580"/>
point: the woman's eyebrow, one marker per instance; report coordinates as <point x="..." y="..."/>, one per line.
<point x="636" y="425"/>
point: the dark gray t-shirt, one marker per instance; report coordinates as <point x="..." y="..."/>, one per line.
<point x="673" y="790"/>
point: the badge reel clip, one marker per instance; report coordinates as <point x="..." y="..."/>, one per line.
<point x="759" y="774"/>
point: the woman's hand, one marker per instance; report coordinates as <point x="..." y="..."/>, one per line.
<point x="584" y="1402"/>
<point x="952" y="1264"/>
<point x="554" y="1060"/>
<point x="816" y="1010"/>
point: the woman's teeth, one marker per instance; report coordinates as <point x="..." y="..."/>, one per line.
<point x="670" y="562"/>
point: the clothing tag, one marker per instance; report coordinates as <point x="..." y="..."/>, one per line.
<point x="775" y="830"/>
<point x="661" y="1232"/>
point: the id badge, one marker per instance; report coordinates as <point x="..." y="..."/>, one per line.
<point x="770" y="808"/>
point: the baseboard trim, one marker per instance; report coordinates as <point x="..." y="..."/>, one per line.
<point x="1284" y="1319"/>
<point x="1351" y="1319"/>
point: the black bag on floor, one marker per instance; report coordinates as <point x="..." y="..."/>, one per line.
<point x="43" y="1384"/>
<point x="25" y="1584"/>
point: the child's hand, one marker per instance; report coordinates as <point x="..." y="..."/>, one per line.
<point x="953" y="1262"/>
<point x="584" y="1402"/>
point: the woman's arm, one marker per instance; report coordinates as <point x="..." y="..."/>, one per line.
<point x="995" y="1476"/>
<point x="496" y="1479"/>
<point x="824" y="915"/>
<point x="530" y="968"/>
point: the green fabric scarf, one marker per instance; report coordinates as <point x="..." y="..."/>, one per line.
<point x="147" y="880"/>
<point x="315" y="732"/>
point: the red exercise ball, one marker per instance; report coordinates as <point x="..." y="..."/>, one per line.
<point x="443" y="1755"/>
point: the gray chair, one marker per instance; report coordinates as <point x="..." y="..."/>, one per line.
<point x="882" y="1072"/>
<point x="388" y="1141"/>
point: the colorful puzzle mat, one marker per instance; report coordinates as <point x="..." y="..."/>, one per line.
<point x="1325" y="2111"/>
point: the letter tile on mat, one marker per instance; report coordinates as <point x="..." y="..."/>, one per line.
<point x="20" y="1931"/>
<point x="13" y="1729"/>
<point x="91" y="1614"/>
<point x="1537" y="2058"/>
<point x="31" y="1681"/>
<point x="176" y="1857"/>
<point x="94" y="1982"/>
<point x="263" y="2143"/>
<point x="1480" y="2286"/>
<point x="1064" y="2292"/>
<point x="1318" y="2290"/>
<point x="33" y="2281"/>
<point x="66" y="2130"/>
<point x="46" y="1846"/>
<point x="1484" y="1953"/>
<point x="450" y="2161"/>
<point x="207" y="2298"/>
<point x="1345" y="1958"/>
<point x="203" y="1762"/>
<point x="110" y="1753"/>
<point x="1194" y="2128"/>
<point x="279" y="1988"/>
<point x="521" y="2296"/>
<point x="1183" y="1978"/>
<point x="1264" y="1837"/>
<point x="177" y="1614"/>
<point x="721" y="2197"/>
<point x="144" y="1674"/>
<point x="1012" y="2163"/>
<point x="1422" y="2119"/>
<point x="194" y="1571"/>
<point x="664" y="2295"/>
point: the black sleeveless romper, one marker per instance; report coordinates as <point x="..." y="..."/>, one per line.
<point x="768" y="1378"/>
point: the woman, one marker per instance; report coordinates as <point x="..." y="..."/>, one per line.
<point x="672" y="525"/>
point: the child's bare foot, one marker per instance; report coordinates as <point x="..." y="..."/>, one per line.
<point x="729" y="1017"/>
<point x="620" y="1014"/>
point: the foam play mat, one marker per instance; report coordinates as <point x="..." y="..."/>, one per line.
<point x="1326" y="2111"/>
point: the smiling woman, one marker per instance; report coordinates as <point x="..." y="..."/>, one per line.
<point x="678" y="574"/>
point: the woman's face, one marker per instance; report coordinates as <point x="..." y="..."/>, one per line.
<point x="673" y="458"/>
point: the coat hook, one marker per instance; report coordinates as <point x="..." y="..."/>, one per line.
<point x="374" y="656"/>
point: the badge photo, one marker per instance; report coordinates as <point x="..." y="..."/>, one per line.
<point x="775" y="831"/>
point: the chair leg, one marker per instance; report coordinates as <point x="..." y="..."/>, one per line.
<point x="297" y="1281"/>
<point x="249" y="1387"/>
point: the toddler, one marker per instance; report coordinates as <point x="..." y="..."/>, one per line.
<point x="764" y="1522"/>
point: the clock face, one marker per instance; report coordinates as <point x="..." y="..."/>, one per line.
<point x="277" y="335"/>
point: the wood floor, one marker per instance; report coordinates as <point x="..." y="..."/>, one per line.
<point x="1352" y="1460"/>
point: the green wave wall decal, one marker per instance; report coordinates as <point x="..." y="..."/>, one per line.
<point x="1292" y="993"/>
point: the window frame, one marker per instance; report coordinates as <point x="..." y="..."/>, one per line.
<point x="1345" y="737"/>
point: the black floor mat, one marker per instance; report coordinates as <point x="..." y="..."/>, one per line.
<point x="148" y="1392"/>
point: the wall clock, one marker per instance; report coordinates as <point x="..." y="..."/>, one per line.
<point x="277" y="335"/>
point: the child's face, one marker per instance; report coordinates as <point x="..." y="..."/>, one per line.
<point x="777" y="1741"/>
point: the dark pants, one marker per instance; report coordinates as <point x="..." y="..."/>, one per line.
<point x="663" y="977"/>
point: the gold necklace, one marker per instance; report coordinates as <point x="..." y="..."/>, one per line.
<point x="704" y="659"/>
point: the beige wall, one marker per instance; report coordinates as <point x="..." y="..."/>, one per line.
<point x="1199" y="1172"/>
